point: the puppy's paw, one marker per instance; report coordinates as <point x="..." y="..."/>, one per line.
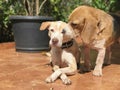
<point x="67" y="81"/>
<point x="97" y="72"/>
<point x="49" y="80"/>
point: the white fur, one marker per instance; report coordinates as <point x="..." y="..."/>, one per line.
<point x="99" y="45"/>
<point x="58" y="36"/>
<point x="63" y="60"/>
<point x="99" y="62"/>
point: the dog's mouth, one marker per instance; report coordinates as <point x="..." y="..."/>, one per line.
<point x="55" y="42"/>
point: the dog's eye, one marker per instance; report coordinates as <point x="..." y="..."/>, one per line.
<point x="52" y="30"/>
<point x="73" y="24"/>
<point x="63" y="31"/>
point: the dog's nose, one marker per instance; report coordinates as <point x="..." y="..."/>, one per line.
<point x="54" y="41"/>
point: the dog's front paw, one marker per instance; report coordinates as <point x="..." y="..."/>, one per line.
<point x="67" y="81"/>
<point x="97" y="72"/>
<point x="49" y="80"/>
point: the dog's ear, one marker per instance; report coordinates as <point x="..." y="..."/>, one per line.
<point x="45" y="25"/>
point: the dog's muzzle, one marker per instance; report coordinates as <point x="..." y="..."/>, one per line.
<point x="54" y="41"/>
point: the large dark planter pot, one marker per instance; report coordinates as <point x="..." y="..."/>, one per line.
<point x="27" y="36"/>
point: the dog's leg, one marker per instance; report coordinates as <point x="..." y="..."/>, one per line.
<point x="87" y="64"/>
<point x="108" y="54"/>
<point x="50" y="79"/>
<point x="63" y="76"/>
<point x="68" y="71"/>
<point x="61" y="72"/>
<point x="54" y="76"/>
<point x="99" y="62"/>
<point x="69" y="59"/>
<point x="65" y="79"/>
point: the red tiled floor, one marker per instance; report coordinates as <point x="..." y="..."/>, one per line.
<point x="27" y="71"/>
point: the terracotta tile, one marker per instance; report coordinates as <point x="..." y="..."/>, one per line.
<point x="28" y="71"/>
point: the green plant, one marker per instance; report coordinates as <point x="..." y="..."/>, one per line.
<point x="6" y="10"/>
<point x="106" y="5"/>
<point x="116" y="6"/>
<point x="10" y="7"/>
<point x="18" y="7"/>
<point x="59" y="9"/>
<point x="62" y="8"/>
<point x="33" y="7"/>
<point x="15" y="7"/>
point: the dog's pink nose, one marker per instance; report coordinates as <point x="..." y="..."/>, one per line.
<point x="54" y="41"/>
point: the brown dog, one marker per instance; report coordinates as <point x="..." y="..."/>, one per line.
<point x="96" y="29"/>
<point x="65" y="52"/>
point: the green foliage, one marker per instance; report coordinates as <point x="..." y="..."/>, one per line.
<point x="7" y="8"/>
<point x="106" y="5"/>
<point x="10" y="7"/>
<point x="116" y="6"/>
<point x="59" y="9"/>
<point x="62" y="8"/>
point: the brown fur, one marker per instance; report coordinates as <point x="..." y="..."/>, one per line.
<point x="95" y="28"/>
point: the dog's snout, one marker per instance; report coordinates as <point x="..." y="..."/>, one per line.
<point x="54" y="40"/>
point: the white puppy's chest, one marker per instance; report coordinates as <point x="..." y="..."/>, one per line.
<point x="68" y="58"/>
<point x="62" y="58"/>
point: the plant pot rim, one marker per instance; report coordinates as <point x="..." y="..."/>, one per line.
<point x="18" y="17"/>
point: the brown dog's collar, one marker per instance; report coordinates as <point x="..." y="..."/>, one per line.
<point x="67" y="44"/>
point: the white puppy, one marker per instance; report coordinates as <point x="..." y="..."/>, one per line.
<point x="65" y="53"/>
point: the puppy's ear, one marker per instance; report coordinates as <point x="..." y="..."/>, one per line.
<point x="45" y="25"/>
